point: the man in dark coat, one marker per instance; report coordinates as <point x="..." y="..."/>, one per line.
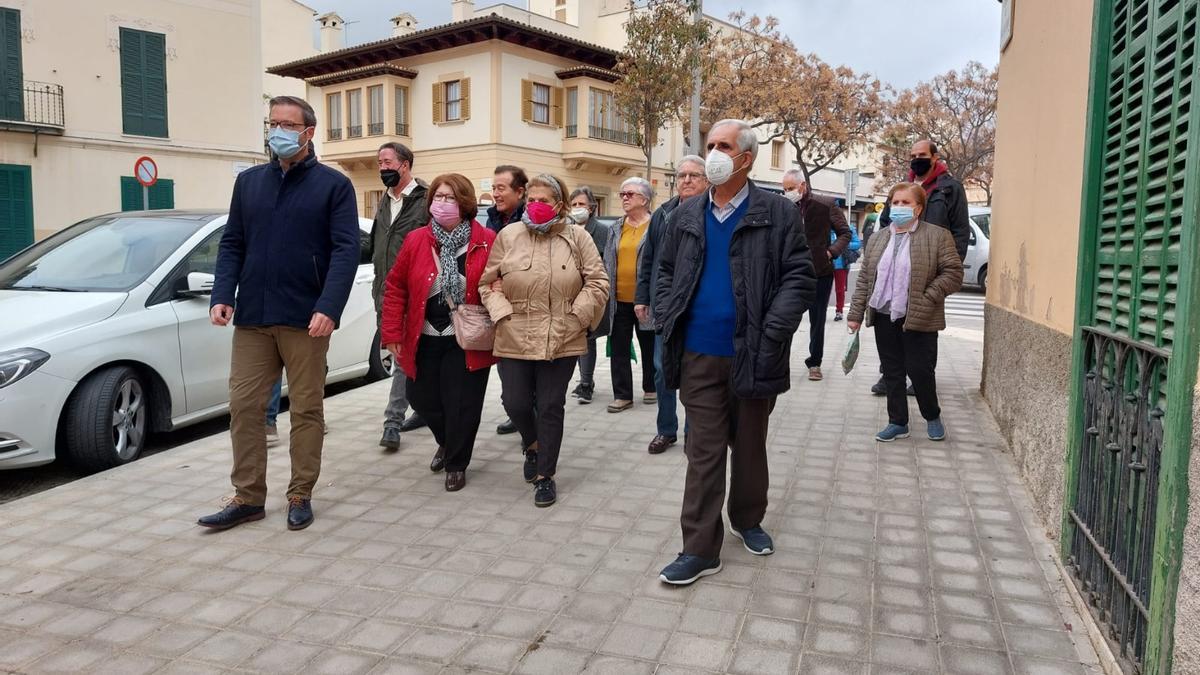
<point x="733" y="283"/>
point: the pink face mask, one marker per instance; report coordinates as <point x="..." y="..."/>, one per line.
<point x="445" y="213"/>
<point x="540" y="213"/>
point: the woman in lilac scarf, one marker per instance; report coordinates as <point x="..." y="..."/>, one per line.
<point x="907" y="271"/>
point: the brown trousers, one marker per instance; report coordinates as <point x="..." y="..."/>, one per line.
<point x="260" y="354"/>
<point x="718" y="422"/>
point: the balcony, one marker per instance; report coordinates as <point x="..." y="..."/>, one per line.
<point x="335" y="134"/>
<point x="354" y="131"/>
<point x="614" y="135"/>
<point x="375" y="129"/>
<point x="40" y="108"/>
<point x="401" y="129"/>
<point x="572" y="130"/>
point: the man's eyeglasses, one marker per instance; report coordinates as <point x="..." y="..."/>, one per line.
<point x="288" y="126"/>
<point x="628" y="195"/>
<point x="689" y="175"/>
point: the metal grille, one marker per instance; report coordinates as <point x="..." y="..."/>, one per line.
<point x="401" y="129"/>
<point x="1117" y="495"/>
<point x="335" y="134"/>
<point x="44" y="103"/>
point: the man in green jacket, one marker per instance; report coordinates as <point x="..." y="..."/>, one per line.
<point x="402" y="209"/>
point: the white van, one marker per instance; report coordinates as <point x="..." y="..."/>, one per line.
<point x="975" y="266"/>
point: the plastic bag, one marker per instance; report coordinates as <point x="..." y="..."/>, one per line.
<point x="851" y="354"/>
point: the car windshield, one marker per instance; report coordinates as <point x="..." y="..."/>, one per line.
<point x="984" y="221"/>
<point x="108" y="253"/>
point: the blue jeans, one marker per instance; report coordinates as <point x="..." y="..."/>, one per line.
<point x="668" y="416"/>
<point x="273" y="403"/>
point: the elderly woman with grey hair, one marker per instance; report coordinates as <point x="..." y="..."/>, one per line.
<point x="583" y="212"/>
<point x="622" y="257"/>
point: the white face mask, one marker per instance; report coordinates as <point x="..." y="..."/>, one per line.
<point x="718" y="167"/>
<point x="580" y="214"/>
<point x="793" y="196"/>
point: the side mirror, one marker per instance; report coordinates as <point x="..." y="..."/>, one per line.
<point x="198" y="284"/>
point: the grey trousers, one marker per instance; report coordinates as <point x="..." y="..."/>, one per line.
<point x="397" y="407"/>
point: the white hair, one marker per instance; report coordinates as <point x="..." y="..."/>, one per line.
<point x="796" y="175"/>
<point x="643" y="186"/>
<point x="747" y="140"/>
<point x="690" y="159"/>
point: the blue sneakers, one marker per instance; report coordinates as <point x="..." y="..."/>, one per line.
<point x="937" y="430"/>
<point x="891" y="433"/>
<point x="755" y="539"/>
<point x="688" y="568"/>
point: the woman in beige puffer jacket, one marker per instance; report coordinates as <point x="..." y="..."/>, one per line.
<point x="544" y="286"/>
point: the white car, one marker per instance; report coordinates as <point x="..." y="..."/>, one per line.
<point x="106" y="337"/>
<point x="975" y="265"/>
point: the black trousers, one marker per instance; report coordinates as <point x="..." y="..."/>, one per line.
<point x="912" y="353"/>
<point x="816" y="322"/>
<point x="534" y="394"/>
<point x="624" y="325"/>
<point x="449" y="397"/>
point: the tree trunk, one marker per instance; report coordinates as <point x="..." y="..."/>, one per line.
<point x="648" y="150"/>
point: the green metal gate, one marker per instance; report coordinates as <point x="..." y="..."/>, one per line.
<point x="1135" y="355"/>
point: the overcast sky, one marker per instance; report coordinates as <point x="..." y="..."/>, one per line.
<point x="899" y="41"/>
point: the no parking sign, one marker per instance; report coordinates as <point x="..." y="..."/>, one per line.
<point x="145" y="171"/>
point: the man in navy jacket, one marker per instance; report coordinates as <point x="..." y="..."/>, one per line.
<point x="286" y="263"/>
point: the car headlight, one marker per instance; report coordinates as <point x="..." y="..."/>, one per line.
<point x="18" y="363"/>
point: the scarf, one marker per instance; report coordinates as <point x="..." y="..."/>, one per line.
<point x="540" y="229"/>
<point x="893" y="275"/>
<point x="454" y="287"/>
<point x="937" y="170"/>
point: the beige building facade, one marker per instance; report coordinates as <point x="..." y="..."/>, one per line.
<point x="84" y="98"/>
<point x="1091" y="320"/>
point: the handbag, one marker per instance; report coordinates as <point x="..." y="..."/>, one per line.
<point x="473" y="327"/>
<point x="850" y="356"/>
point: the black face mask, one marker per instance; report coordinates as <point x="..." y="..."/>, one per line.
<point x="390" y="177"/>
<point x="921" y="165"/>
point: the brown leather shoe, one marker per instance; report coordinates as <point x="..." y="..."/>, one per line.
<point x="439" y="460"/>
<point x="660" y="444"/>
<point x="455" y="480"/>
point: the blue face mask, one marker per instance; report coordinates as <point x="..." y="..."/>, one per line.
<point x="901" y="215"/>
<point x="285" y="144"/>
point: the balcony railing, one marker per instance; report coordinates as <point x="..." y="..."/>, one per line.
<point x="335" y="134"/>
<point x="401" y="128"/>
<point x="375" y="129"/>
<point x="354" y="131"/>
<point x="42" y="104"/>
<point x="572" y="130"/>
<point x="615" y="135"/>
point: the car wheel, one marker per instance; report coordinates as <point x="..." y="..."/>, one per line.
<point x="983" y="280"/>
<point x="107" y="418"/>
<point x="381" y="363"/>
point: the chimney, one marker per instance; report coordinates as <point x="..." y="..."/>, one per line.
<point x="403" y="24"/>
<point x="333" y="32"/>
<point x="461" y="10"/>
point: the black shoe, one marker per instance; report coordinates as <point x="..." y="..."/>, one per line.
<point x="688" y="568"/>
<point x="544" y="493"/>
<point x="506" y="427"/>
<point x="439" y="460"/>
<point x="232" y="515"/>
<point x="585" y="394"/>
<point x="660" y="444"/>
<point x="300" y="513"/>
<point x="838" y="316"/>
<point x="576" y="390"/>
<point x="455" y="480"/>
<point x="412" y="423"/>
<point x="878" y="388"/>
<point x="390" y="439"/>
<point x="530" y="468"/>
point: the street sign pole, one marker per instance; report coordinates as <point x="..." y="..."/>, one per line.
<point x="145" y="198"/>
<point x="145" y="172"/>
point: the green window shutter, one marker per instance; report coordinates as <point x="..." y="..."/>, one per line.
<point x="162" y="194"/>
<point x="144" y="83"/>
<point x="12" y="99"/>
<point x="16" y="209"/>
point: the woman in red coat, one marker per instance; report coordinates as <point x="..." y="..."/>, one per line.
<point x="439" y="268"/>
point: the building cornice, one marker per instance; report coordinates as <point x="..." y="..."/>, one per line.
<point x="602" y="74"/>
<point x="361" y="74"/>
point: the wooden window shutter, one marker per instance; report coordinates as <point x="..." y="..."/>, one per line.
<point x="143" y="82"/>
<point x="133" y="104"/>
<point x="439" y="106"/>
<point x="16" y="208"/>
<point x="526" y="101"/>
<point x="465" y="89"/>
<point x="12" y="102"/>
<point x="556" y="115"/>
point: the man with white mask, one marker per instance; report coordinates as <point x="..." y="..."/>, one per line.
<point x="733" y="282"/>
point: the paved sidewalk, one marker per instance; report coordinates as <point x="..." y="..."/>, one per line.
<point x="909" y="557"/>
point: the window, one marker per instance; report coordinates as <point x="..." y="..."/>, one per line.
<point x="354" y="113"/>
<point x="370" y="205"/>
<point x="572" y="112"/>
<point x="984" y="221"/>
<point x="12" y="104"/>
<point x="454" y="100"/>
<point x="162" y="194"/>
<point x="777" y="154"/>
<point x="333" y="113"/>
<point x="143" y="83"/>
<point x="401" y="111"/>
<point x="604" y="122"/>
<point x="16" y="209"/>
<point x="375" y="110"/>
<point x="541" y="103"/>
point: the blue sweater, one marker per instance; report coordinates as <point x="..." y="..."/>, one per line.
<point x="291" y="246"/>
<point x="713" y="315"/>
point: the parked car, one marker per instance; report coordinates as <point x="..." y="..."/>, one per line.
<point x="975" y="266"/>
<point x="107" y="337"/>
